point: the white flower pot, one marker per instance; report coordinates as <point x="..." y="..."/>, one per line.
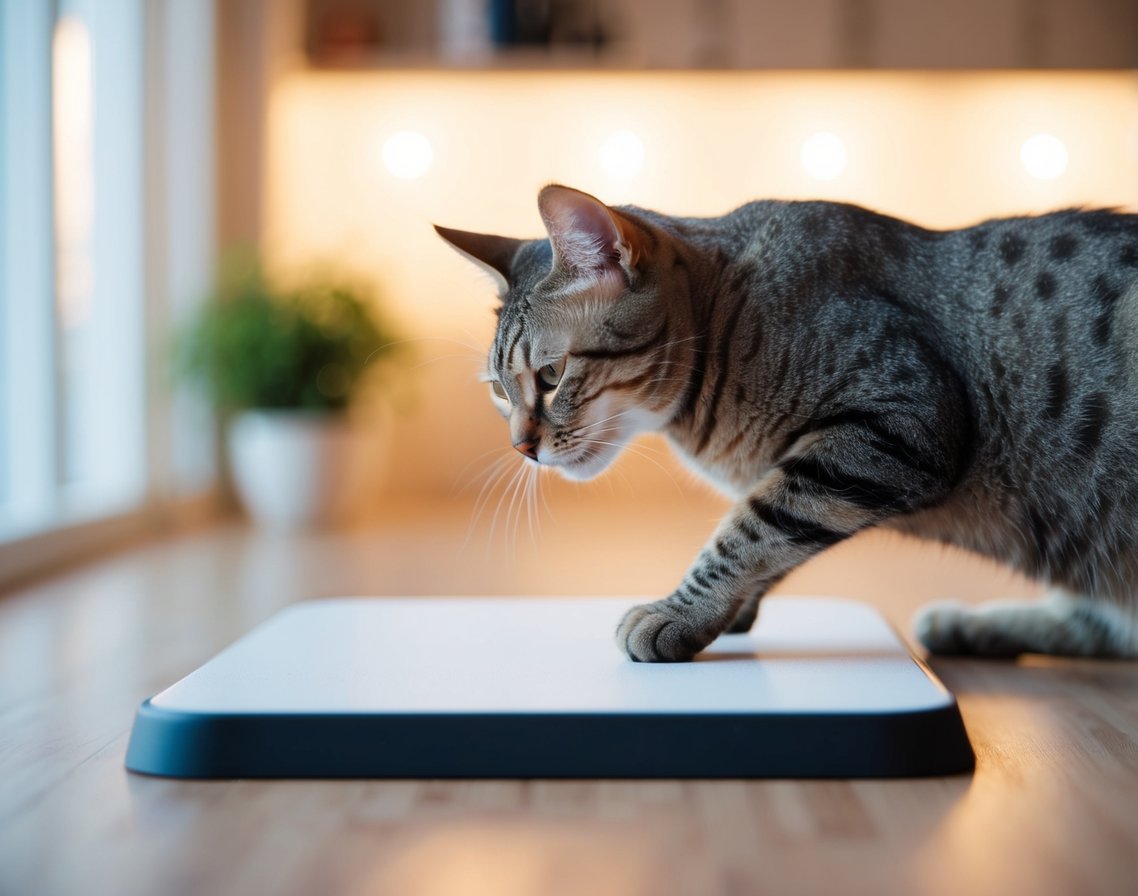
<point x="293" y="469"/>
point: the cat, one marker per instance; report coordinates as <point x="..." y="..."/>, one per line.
<point x="834" y="369"/>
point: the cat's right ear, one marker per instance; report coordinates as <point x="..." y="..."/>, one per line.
<point x="588" y="237"/>
<point x="494" y="254"/>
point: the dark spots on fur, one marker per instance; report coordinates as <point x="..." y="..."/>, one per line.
<point x="1094" y="413"/>
<point x="1058" y="388"/>
<point x="1000" y="299"/>
<point x="1016" y="378"/>
<point x="847" y="330"/>
<point x="905" y="376"/>
<point x="892" y="240"/>
<point x="977" y="239"/>
<point x="892" y="333"/>
<point x="1106" y="223"/>
<point x="1045" y="286"/>
<point x="1063" y="247"/>
<point x="1020" y="320"/>
<point x="1128" y="257"/>
<point x="798" y="531"/>
<point x="998" y="369"/>
<point x="1012" y="248"/>
<point x="1102" y="328"/>
<point x="1104" y="292"/>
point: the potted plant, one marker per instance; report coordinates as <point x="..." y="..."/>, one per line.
<point x="282" y="368"/>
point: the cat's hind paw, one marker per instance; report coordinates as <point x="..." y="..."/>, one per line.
<point x="655" y="633"/>
<point x="952" y="629"/>
<point x="940" y="627"/>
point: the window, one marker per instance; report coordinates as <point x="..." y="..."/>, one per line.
<point x="106" y="238"/>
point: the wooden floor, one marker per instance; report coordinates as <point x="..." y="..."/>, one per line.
<point x="1051" y="809"/>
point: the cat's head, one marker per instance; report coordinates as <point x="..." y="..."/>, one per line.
<point x="585" y="354"/>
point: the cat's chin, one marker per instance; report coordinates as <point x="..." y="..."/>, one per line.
<point x="585" y="469"/>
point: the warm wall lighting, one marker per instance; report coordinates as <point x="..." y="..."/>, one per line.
<point x="824" y="156"/>
<point x="621" y="154"/>
<point x="408" y="155"/>
<point x="1044" y="156"/>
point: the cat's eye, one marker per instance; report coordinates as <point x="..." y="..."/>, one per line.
<point x="550" y="375"/>
<point x="499" y="390"/>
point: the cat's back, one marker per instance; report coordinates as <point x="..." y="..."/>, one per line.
<point x="1054" y="295"/>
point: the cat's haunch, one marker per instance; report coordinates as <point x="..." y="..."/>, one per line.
<point x="834" y="369"/>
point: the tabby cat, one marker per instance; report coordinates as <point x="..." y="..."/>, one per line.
<point x="834" y="369"/>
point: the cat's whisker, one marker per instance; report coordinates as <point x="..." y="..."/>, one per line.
<point x="435" y="359"/>
<point x="498" y="467"/>
<point x="640" y="451"/>
<point x="498" y="471"/>
<point x="673" y="342"/>
<point x="396" y="343"/>
<point x="459" y="485"/>
<point x="589" y="426"/>
<point x="525" y="501"/>
<point x="542" y="496"/>
<point x="492" y="485"/>
<point x="517" y="504"/>
<point x="509" y="489"/>
<point x="531" y="503"/>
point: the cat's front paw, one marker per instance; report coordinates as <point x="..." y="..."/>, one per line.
<point x="658" y="633"/>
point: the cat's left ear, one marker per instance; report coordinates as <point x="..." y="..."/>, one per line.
<point x="588" y="237"/>
<point x="494" y="254"/>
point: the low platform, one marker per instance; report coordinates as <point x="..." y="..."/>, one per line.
<point x="521" y="688"/>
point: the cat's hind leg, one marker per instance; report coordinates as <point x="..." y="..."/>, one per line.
<point x="1060" y="624"/>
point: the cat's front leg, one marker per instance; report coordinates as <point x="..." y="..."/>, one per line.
<point x="843" y="477"/>
<point x="762" y="540"/>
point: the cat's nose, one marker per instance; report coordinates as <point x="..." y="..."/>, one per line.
<point x="528" y="447"/>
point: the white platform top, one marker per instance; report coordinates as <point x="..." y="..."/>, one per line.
<point x="551" y="655"/>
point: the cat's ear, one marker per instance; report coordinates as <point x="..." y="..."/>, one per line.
<point x="588" y="237"/>
<point x="494" y="254"/>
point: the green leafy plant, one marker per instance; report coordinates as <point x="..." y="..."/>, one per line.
<point x="256" y="346"/>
